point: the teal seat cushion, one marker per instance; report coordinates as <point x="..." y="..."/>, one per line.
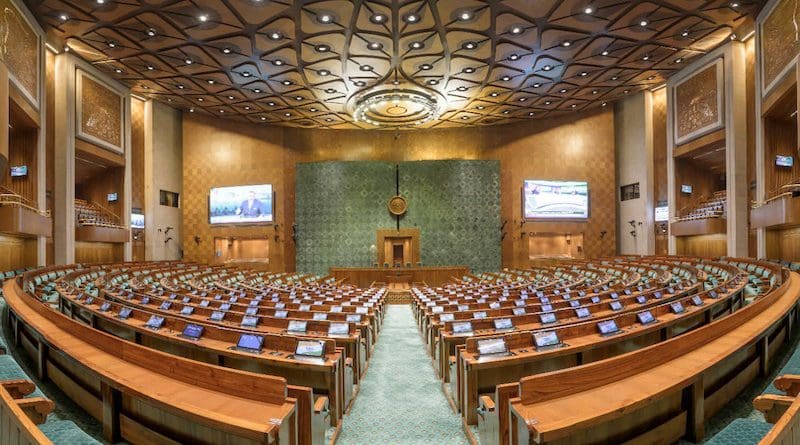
<point x="10" y="369"/>
<point x="66" y="432"/>
<point x="741" y="432"/>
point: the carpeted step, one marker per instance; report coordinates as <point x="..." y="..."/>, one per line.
<point x="741" y="432"/>
<point x="66" y="432"/>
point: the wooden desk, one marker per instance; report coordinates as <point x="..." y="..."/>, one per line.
<point x="365" y="276"/>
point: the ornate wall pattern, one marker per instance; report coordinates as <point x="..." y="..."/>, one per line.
<point x="780" y="39"/>
<point x="339" y="207"/>
<point x="697" y="103"/>
<point x="19" y="49"/>
<point x="456" y="205"/>
<point x="100" y="112"/>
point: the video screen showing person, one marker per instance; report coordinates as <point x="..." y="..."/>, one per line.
<point x="246" y="204"/>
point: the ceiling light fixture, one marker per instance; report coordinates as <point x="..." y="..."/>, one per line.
<point x="643" y="23"/>
<point x="513" y="57"/>
<point x="516" y="29"/>
<point x="325" y="18"/>
<point x="465" y="15"/>
<point x="203" y="18"/>
<point x="469" y="45"/>
<point x="566" y="43"/>
<point x="151" y="32"/>
<point x="375" y="46"/>
<point x="588" y="10"/>
<point x="275" y="35"/>
<point x="378" y="18"/>
<point x="416" y="45"/>
<point x="411" y="18"/>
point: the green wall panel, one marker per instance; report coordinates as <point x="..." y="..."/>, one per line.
<point x="339" y="206"/>
<point x="456" y="205"/>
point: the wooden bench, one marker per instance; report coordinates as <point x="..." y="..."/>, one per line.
<point x="143" y="395"/>
<point x="660" y="393"/>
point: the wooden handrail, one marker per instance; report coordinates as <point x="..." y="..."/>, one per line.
<point x="19" y="428"/>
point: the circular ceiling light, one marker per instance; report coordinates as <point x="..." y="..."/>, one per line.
<point x="396" y="108"/>
<point x="325" y="18"/>
<point x="411" y="18"/>
<point x="322" y="48"/>
<point x="469" y="45"/>
<point x="465" y="15"/>
<point x="416" y="45"/>
<point x="378" y="18"/>
<point x="375" y="46"/>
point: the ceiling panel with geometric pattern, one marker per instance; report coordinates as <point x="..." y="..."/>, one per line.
<point x="305" y="63"/>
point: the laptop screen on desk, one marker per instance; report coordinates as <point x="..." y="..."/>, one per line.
<point x="309" y="348"/>
<point x="492" y="346"/>
<point x="249" y="341"/>
<point x="193" y="331"/>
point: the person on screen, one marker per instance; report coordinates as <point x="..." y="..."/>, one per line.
<point x="251" y="207"/>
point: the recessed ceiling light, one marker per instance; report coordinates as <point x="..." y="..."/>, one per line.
<point x="375" y="46"/>
<point x="275" y="35"/>
<point x="626" y="91"/>
<point x="614" y="77"/>
<point x="63" y="17"/>
<point x="733" y="36"/>
<point x="426" y="66"/>
<point x="594" y="91"/>
<point x="523" y="99"/>
<point x="685" y="33"/>
<point x="322" y="48"/>
<point x="513" y="57"/>
<point x="605" y="103"/>
<point x="226" y="50"/>
<point x="271" y="103"/>
<point x="151" y="32"/>
<point x="679" y="60"/>
<point x="230" y="98"/>
<point x="327" y="119"/>
<point x="145" y="87"/>
<point x="506" y="111"/>
<point x="433" y="82"/>
<point x="562" y="91"/>
<point x="298" y="98"/>
<point x="324" y="18"/>
<point x="257" y="90"/>
<point x="263" y="118"/>
<point x="365" y="67"/>
<point x="566" y="43"/>
<point x="150" y="67"/>
<point x="462" y="88"/>
<point x="112" y="44"/>
<point x="203" y="18"/>
<point x="643" y="23"/>
<point x="323" y="72"/>
<point x="246" y="74"/>
<point x="210" y="81"/>
<point x="416" y="45"/>
<point x="287" y="82"/>
<point x="530" y="113"/>
<point x="191" y="110"/>
<point x="464" y="117"/>
<point x="537" y="85"/>
<point x="468" y="70"/>
<point x="221" y="111"/>
<point x="469" y="45"/>
<point x="180" y="86"/>
<point x="247" y="107"/>
<point x="547" y="102"/>
<point x="646" y="57"/>
<point x="651" y="77"/>
<point x="411" y="18"/>
<point x="359" y="83"/>
<point x="574" y="105"/>
<point x="516" y="29"/>
<point x="200" y="99"/>
<point x="505" y="78"/>
<point x="547" y="67"/>
<point x="734" y="4"/>
<point x="188" y="61"/>
<point x="494" y="94"/>
<point x="465" y="15"/>
<point x="378" y="18"/>
<point x="480" y="107"/>
<point x="395" y="82"/>
<point x="287" y="114"/>
<point x="604" y="53"/>
<point x="169" y="99"/>
<point x="117" y="70"/>
<point x="313" y="110"/>
<point x="588" y="10"/>
<point x="584" y="74"/>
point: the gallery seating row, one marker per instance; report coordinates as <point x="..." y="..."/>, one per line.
<point x="658" y="392"/>
<point x="712" y="207"/>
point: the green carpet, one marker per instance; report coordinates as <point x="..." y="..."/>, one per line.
<point x="400" y="400"/>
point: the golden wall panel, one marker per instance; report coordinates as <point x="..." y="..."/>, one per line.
<point x="19" y="49"/>
<point x="137" y="154"/>
<point x="86" y="252"/>
<point x="780" y="40"/>
<point x="702" y="245"/>
<point x="698" y="104"/>
<point x="100" y="116"/>
<point x="222" y="153"/>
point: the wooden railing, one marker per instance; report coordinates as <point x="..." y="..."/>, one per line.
<point x="10" y="198"/>
<point x="105" y="217"/>
<point x="19" y="417"/>
<point x="783" y="411"/>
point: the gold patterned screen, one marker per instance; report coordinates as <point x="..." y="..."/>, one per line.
<point x="696" y="103"/>
<point x="780" y="39"/>
<point x="19" y="49"/>
<point x="101" y="112"/>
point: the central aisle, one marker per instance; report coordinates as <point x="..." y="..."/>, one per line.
<point x="401" y="400"/>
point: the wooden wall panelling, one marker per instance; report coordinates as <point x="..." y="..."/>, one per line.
<point x="17" y="253"/>
<point x="96" y="189"/>
<point x="137" y="153"/>
<point x="660" y="192"/>
<point x="784" y="244"/>
<point x="49" y="135"/>
<point x="702" y="245"/>
<point x="703" y="183"/>
<point x="750" y="81"/>
<point x="88" y="252"/>
<point x="23" y="144"/>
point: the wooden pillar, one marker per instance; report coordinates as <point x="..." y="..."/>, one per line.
<point x="112" y="402"/>
<point x="694" y="404"/>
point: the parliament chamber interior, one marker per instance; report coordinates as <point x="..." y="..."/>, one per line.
<point x="406" y="222"/>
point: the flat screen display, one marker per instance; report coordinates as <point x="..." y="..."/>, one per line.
<point x="187" y="310"/>
<point x="338" y="329"/>
<point x="319" y="316"/>
<point x="676" y="307"/>
<point x="112" y="197"/>
<point x="582" y="312"/>
<point x="19" y="170"/>
<point x="137" y="221"/>
<point x="518" y="311"/>
<point x="492" y="346"/>
<point x="463" y="327"/>
<point x="249" y="321"/>
<point x="503" y="323"/>
<point x="615" y="306"/>
<point x="686" y="188"/>
<point x="353" y="318"/>
<point x="217" y="316"/>
<point x="124" y="313"/>
<point x="297" y="326"/>
<point x="155" y="322"/>
<point x="697" y="300"/>
<point x="645" y="317"/>
<point x="548" y="318"/>
<point x="545" y="339"/>
<point x="662" y="214"/>
<point x="244" y="204"/>
<point x="165" y="306"/>
<point x="193" y="331"/>
<point x="250" y="341"/>
<point x="780" y="161"/>
<point x="281" y="314"/>
<point x="479" y="315"/>
<point x="309" y="348"/>
<point x="607" y="327"/>
<point x="105" y="307"/>
<point x="555" y="199"/>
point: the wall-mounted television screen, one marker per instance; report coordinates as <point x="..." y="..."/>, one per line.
<point x="686" y="188"/>
<point x="555" y="199"/>
<point x="112" y="197"/>
<point x="19" y="170"/>
<point x="137" y="221"/>
<point x="662" y="213"/>
<point x="780" y="161"/>
<point x="243" y="204"/>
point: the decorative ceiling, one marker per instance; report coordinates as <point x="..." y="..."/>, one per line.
<point x="308" y="63"/>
